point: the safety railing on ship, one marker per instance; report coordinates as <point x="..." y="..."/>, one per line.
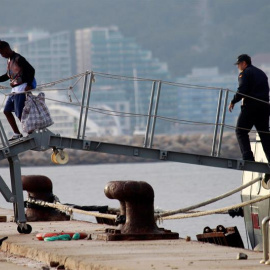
<point x="152" y="114"/>
<point x="153" y="106"/>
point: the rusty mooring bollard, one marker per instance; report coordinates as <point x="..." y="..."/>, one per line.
<point x="40" y="187"/>
<point x="137" y="204"/>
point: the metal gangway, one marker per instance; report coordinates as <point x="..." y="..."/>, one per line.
<point x="43" y="140"/>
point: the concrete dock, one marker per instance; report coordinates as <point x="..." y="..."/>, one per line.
<point x="124" y="255"/>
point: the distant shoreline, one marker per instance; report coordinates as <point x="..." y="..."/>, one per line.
<point x="192" y="143"/>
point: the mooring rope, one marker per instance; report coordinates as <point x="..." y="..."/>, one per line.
<point x="70" y="210"/>
<point x="186" y="209"/>
<point x="167" y="215"/>
<point x="217" y="211"/>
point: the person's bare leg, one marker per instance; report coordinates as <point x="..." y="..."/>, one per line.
<point x="12" y="122"/>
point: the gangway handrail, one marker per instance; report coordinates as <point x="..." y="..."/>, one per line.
<point x="216" y="123"/>
<point x="3" y="136"/>
<point x="222" y="125"/>
<point x="265" y="238"/>
<point x="42" y="140"/>
<point x="151" y="117"/>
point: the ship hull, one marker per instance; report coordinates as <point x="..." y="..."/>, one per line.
<point x="255" y="213"/>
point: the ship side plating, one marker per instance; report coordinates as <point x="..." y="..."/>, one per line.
<point x="255" y="213"/>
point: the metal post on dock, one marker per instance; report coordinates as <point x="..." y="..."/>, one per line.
<point x="265" y="237"/>
<point x="216" y="123"/>
<point x="149" y="114"/>
<point x="82" y="103"/>
<point x="222" y="122"/>
<point x="155" y="114"/>
<point x="87" y="103"/>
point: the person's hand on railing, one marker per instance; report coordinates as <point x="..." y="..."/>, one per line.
<point x="231" y="106"/>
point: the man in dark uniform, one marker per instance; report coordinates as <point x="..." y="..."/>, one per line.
<point x="253" y="90"/>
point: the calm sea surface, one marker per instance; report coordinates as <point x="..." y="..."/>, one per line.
<point x="175" y="185"/>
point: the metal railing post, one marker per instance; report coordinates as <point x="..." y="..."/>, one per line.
<point x="222" y="122"/>
<point x="155" y="114"/>
<point x="3" y="135"/>
<point x="82" y="103"/>
<point x="87" y="103"/>
<point x="149" y="114"/>
<point x="265" y="238"/>
<point x="216" y="124"/>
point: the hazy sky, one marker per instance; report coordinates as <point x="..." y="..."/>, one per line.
<point x="183" y="33"/>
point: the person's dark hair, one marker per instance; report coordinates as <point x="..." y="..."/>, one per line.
<point x="3" y="45"/>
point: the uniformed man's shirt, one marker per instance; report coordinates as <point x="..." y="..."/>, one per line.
<point x="253" y="82"/>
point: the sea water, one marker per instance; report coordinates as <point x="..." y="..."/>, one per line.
<point x="176" y="186"/>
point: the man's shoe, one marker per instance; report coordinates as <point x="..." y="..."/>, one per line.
<point x="15" y="137"/>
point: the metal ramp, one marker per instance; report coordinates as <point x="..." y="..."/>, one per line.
<point x="43" y="140"/>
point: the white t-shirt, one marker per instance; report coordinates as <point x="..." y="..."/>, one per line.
<point x="18" y="89"/>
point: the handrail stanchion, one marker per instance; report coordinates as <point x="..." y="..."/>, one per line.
<point x="222" y="122"/>
<point x="3" y="136"/>
<point x="82" y="103"/>
<point x="216" y="124"/>
<point x="87" y="103"/>
<point x="155" y="114"/>
<point x="149" y="114"/>
<point x="265" y="237"/>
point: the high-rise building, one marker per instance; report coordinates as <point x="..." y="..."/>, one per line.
<point x="13" y="38"/>
<point x="200" y="105"/>
<point x="49" y="54"/>
<point x="106" y="50"/>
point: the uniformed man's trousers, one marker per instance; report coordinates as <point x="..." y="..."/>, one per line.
<point x="258" y="116"/>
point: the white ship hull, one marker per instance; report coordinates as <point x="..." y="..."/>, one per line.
<point x="254" y="214"/>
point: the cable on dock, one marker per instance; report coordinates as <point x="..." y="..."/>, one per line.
<point x="220" y="197"/>
<point x="219" y="210"/>
<point x="166" y="215"/>
<point x="70" y="210"/>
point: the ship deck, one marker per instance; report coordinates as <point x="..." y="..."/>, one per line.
<point x="124" y="255"/>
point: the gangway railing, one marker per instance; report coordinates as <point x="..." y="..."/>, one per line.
<point x="3" y="136"/>
<point x="43" y="140"/>
<point x="152" y="113"/>
<point x="214" y="142"/>
<point x="153" y="107"/>
<point x="265" y="238"/>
